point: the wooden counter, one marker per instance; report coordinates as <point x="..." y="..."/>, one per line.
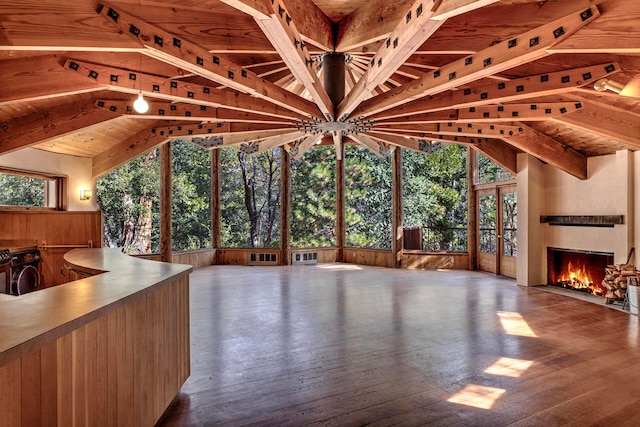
<point x="111" y="349"/>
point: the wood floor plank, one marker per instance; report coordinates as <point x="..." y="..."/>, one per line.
<point x="348" y="345"/>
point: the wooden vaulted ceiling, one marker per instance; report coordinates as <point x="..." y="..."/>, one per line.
<point x="502" y="76"/>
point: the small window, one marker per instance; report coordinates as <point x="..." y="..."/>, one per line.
<point x="27" y="190"/>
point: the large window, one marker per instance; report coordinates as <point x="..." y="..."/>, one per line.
<point x="434" y="198"/>
<point x="31" y="190"/>
<point x="367" y="199"/>
<point x="129" y="197"/>
<point x="250" y="198"/>
<point x="313" y="198"/>
<point x="191" y="196"/>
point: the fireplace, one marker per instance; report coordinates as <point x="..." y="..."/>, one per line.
<point x="579" y="270"/>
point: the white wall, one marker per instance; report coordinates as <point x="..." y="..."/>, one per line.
<point x="78" y="169"/>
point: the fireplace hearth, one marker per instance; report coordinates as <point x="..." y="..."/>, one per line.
<point x="578" y="270"/>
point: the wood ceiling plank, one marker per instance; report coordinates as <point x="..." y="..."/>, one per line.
<point x="370" y="23"/>
<point x="312" y="23"/>
<point x="280" y="29"/>
<point x="549" y="150"/>
<point x="126" y="150"/>
<point x="42" y="126"/>
<point x="22" y="80"/>
<point x="168" y="48"/>
<point x="527" y="47"/>
<point x="560" y="82"/>
<point x="599" y="120"/>
<point x="186" y="112"/>
<point x="230" y="133"/>
<point x="132" y="82"/>
<point x="616" y="31"/>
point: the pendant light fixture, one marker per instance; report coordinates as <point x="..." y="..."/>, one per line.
<point x="140" y="105"/>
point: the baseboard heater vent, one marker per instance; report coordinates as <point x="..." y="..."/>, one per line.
<point x="304" y="258"/>
<point x="263" y="258"/>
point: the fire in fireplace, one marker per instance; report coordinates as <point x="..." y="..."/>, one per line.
<point x="579" y="270"/>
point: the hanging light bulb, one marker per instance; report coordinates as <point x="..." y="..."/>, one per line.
<point x="140" y="105"/>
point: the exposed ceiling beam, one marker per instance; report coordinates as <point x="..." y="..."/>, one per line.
<point x="533" y="112"/>
<point x="499" y="152"/>
<point x="527" y="47"/>
<point x="171" y="49"/>
<point x="549" y="150"/>
<point x="124" y="81"/>
<point x="186" y="112"/>
<point x="305" y="145"/>
<point x="556" y="83"/>
<point x="230" y="133"/>
<point x="280" y="29"/>
<point x="599" y="120"/>
<point x="367" y="142"/>
<point x="402" y="42"/>
<point x="272" y="142"/>
<point x="420" y="21"/>
<point x="55" y="122"/>
<point x="125" y="150"/>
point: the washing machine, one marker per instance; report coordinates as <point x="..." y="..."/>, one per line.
<point x="25" y="271"/>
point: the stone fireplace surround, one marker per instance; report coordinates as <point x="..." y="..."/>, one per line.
<point x="543" y="190"/>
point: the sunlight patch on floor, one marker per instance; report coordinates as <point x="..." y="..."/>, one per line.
<point x="477" y="396"/>
<point x="514" y="324"/>
<point x="339" y="267"/>
<point x="508" y="367"/>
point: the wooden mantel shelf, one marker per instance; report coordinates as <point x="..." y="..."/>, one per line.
<point x="110" y="333"/>
<point x="583" y="220"/>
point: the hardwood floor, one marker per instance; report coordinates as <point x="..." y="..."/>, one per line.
<point x="348" y="345"/>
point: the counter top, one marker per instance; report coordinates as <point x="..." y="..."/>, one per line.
<point x="32" y="320"/>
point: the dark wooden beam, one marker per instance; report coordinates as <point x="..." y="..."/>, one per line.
<point x="285" y="207"/>
<point x="397" y="222"/>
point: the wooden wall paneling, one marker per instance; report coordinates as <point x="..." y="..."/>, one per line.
<point x="65" y="395"/>
<point x="416" y="261"/>
<point x="125" y="363"/>
<point x="31" y="397"/>
<point x="11" y="386"/>
<point x="376" y="257"/>
<point x="49" y="384"/>
<point x="112" y="362"/>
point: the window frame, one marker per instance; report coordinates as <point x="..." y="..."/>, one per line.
<point x="58" y="200"/>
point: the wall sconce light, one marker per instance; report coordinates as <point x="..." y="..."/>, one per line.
<point x="630" y="89"/>
<point x="85" y="194"/>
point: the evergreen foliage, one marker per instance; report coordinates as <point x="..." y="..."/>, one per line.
<point x="18" y="190"/>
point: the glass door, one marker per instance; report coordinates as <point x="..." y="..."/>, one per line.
<point x="508" y="225"/>
<point x="487" y="225"/>
<point x="497" y="227"/>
